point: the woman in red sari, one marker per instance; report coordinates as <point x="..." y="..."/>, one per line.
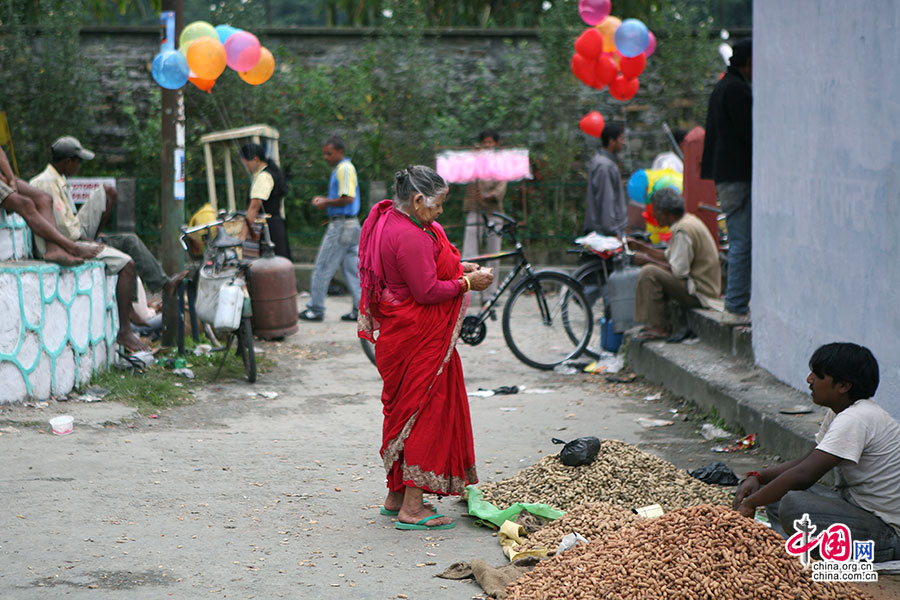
<point x="414" y="295"/>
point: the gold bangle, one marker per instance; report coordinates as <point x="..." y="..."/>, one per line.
<point x="468" y="284"/>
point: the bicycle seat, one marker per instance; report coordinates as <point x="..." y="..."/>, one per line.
<point x="506" y="218"/>
<point x="223" y="240"/>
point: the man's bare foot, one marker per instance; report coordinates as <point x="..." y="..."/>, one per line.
<point x="61" y="257"/>
<point x="88" y="249"/>
<point x="131" y="342"/>
<point x="172" y="285"/>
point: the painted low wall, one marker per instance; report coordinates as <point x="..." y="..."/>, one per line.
<point x="826" y="184"/>
<point x="58" y="325"/>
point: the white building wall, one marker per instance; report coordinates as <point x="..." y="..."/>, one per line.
<point x="826" y="184"/>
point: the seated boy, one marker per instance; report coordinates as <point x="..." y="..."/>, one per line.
<point x="859" y="438"/>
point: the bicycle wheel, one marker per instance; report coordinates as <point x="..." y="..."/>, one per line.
<point x="245" y="348"/>
<point x="369" y="348"/>
<point x="547" y="320"/>
<point x="592" y="278"/>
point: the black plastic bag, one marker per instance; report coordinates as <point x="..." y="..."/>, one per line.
<point x="716" y="472"/>
<point x="581" y="451"/>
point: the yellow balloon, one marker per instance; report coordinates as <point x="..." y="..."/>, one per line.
<point x="206" y="57"/>
<point x="195" y="31"/>
<point x="607" y="28"/>
<point x="263" y="69"/>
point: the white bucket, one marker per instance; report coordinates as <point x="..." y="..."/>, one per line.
<point x="62" y="425"/>
<point x="228" y="312"/>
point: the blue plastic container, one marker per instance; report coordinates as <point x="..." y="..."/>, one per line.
<point x="609" y="339"/>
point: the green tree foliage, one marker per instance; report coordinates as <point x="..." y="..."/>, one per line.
<point x="49" y="86"/>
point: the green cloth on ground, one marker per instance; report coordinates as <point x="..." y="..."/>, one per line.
<point x="483" y="509"/>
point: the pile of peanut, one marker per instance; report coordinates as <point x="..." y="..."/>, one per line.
<point x="702" y="552"/>
<point x="593" y="521"/>
<point x="622" y="475"/>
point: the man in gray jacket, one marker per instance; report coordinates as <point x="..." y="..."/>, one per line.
<point x="605" y="207"/>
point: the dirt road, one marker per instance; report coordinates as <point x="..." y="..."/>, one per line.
<point x="243" y="496"/>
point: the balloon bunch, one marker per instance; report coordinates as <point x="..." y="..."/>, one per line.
<point x="611" y="52"/>
<point x="204" y="52"/>
<point x="641" y="186"/>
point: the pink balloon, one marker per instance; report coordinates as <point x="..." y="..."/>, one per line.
<point x="242" y="51"/>
<point x="651" y="46"/>
<point x="594" y="11"/>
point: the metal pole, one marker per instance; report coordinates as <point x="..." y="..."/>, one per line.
<point x="172" y="199"/>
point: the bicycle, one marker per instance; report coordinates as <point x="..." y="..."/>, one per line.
<point x="221" y="268"/>
<point x="546" y="320"/>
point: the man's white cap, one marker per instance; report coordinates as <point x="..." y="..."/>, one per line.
<point x="68" y="146"/>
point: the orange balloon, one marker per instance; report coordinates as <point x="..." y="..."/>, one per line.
<point x="204" y="84"/>
<point x="263" y="69"/>
<point x="607" y="28"/>
<point x="206" y="58"/>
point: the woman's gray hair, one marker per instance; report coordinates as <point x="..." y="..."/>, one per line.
<point x="668" y="200"/>
<point x="417" y="179"/>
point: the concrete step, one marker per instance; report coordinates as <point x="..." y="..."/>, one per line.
<point x="744" y="395"/>
<point x="729" y="339"/>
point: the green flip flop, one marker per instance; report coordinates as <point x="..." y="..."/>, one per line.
<point x="423" y="524"/>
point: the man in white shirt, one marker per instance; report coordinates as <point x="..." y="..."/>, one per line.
<point x="859" y="438"/>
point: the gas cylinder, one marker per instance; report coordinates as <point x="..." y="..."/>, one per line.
<point x="273" y="295"/>
<point x="620" y="289"/>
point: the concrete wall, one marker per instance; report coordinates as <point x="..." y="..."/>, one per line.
<point x="826" y="184"/>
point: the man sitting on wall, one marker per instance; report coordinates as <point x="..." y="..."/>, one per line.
<point x="687" y="271"/>
<point x="36" y="208"/>
<point x="123" y="253"/>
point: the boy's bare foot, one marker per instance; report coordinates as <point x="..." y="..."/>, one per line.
<point x="131" y="342"/>
<point x="88" y="249"/>
<point x="172" y="285"/>
<point x="61" y="257"/>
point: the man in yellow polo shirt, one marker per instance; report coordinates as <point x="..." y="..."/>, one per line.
<point x="340" y="245"/>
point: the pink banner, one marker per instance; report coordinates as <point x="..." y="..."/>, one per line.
<point x="463" y="166"/>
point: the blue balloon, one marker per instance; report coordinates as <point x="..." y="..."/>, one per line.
<point x="225" y="32"/>
<point x="637" y="186"/>
<point x="170" y="69"/>
<point x="632" y="37"/>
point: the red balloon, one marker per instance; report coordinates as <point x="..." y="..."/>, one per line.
<point x="623" y="89"/>
<point x="633" y="66"/>
<point x="589" y="44"/>
<point x="584" y="71"/>
<point x="592" y="123"/>
<point x="605" y="70"/>
<point x="648" y="215"/>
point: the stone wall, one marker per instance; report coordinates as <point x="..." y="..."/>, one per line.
<point x="127" y="52"/>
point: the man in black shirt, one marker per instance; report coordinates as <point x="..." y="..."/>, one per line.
<point x="727" y="159"/>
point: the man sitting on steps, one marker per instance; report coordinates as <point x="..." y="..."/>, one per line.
<point x="123" y="253"/>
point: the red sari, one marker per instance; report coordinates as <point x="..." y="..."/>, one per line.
<point x="427" y="434"/>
